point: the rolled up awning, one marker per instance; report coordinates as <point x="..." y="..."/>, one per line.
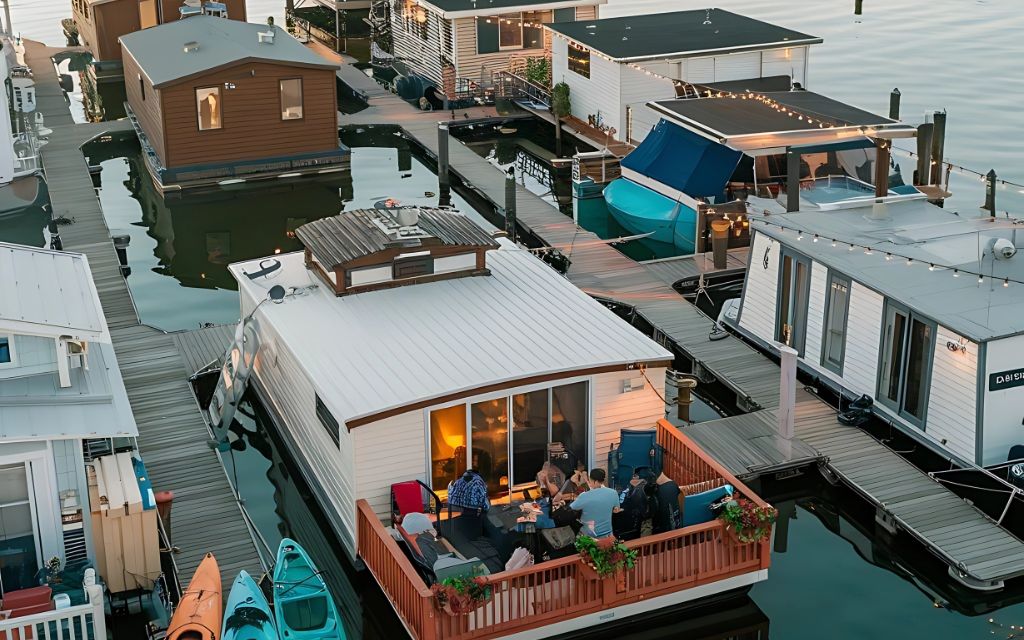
<point x="683" y="160"/>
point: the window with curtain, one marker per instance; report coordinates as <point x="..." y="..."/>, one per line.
<point x="208" y="107"/>
<point x="291" y="99"/>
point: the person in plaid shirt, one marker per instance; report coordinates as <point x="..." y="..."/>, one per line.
<point x="469" y="492"/>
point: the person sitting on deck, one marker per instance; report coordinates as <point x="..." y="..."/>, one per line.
<point x="598" y="504"/>
<point x="469" y="492"/>
<point x="550" y="481"/>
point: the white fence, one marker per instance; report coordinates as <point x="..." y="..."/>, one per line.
<point x="84" y="622"/>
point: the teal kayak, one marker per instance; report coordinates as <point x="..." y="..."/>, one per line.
<point x="247" y="615"/>
<point x="305" y="610"/>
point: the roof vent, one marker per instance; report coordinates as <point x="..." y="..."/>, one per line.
<point x="1003" y="249"/>
<point x="408" y="217"/>
<point x="266" y="37"/>
<point x="191" y="47"/>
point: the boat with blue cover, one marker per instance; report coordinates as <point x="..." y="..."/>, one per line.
<point x="247" y="615"/>
<point x="304" y="607"/>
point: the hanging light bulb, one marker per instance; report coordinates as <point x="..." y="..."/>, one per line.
<point x="981" y="278"/>
<point x="851" y="248"/>
<point x="799" y="235"/>
<point x="956" y="273"/>
<point x="1006" y="282"/>
<point x="910" y="261"/>
<point x="867" y="251"/>
<point x="931" y="267"/>
<point x="815" y="237"/>
<point x="888" y="256"/>
<point x="833" y="242"/>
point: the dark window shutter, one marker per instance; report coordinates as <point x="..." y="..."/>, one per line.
<point x="487" y="35"/>
<point x="565" y="15"/>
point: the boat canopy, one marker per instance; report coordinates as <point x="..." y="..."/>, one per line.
<point x="683" y="160"/>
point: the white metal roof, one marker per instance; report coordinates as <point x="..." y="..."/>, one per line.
<point x="49" y="293"/>
<point x="382" y="350"/>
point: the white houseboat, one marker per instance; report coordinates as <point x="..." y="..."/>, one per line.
<point x="917" y="307"/>
<point x="409" y="345"/>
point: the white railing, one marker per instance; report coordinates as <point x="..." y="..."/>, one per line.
<point x="83" y="622"/>
<point x="29" y="162"/>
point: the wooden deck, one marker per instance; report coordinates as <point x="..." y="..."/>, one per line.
<point x="672" y="270"/>
<point x="173" y="435"/>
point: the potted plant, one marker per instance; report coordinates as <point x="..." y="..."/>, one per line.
<point x="747" y="521"/>
<point x="460" y="595"/>
<point x="54" y="571"/>
<point x="603" y="557"/>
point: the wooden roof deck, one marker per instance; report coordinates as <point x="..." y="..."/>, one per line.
<point x="173" y="435"/>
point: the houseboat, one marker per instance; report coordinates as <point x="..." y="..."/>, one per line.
<point x="216" y="100"/>
<point x="63" y="408"/>
<point x="22" y="132"/>
<point x="101" y="23"/>
<point x="408" y="345"/>
<point x="453" y="51"/>
<point x="914" y="306"/>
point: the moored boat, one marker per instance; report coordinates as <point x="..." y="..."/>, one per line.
<point x="302" y="602"/>
<point x="247" y="615"/>
<point x="200" y="611"/>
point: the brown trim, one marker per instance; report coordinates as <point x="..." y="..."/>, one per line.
<point x="242" y="62"/>
<point x="433" y="277"/>
<point x="434" y="246"/>
<point x="220" y="106"/>
<point x="302" y="99"/>
<point x="498" y="386"/>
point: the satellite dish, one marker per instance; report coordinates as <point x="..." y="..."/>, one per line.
<point x="277" y="293"/>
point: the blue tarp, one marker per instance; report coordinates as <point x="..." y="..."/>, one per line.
<point x="683" y="160"/>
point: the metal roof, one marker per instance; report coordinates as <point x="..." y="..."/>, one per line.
<point x="361" y="232"/>
<point x="679" y="34"/>
<point x="469" y="8"/>
<point x="929" y="235"/>
<point x="49" y="293"/>
<point x="387" y="349"/>
<point x="161" y="52"/>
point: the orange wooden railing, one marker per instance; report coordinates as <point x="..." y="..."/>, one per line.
<point x="557" y="590"/>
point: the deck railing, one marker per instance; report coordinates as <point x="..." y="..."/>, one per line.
<point x="82" y="622"/>
<point x="559" y="589"/>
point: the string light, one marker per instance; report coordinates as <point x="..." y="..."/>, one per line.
<point x="981" y="278"/>
<point x="815" y="237"/>
<point x="888" y="256"/>
<point x="867" y="251"/>
<point x="931" y="267"/>
<point x="799" y="235"/>
<point x="956" y="273"/>
<point x="1006" y="282"/>
<point x="833" y="243"/>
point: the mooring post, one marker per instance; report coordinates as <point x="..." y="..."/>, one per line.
<point x="684" y="386"/>
<point x="443" y="178"/>
<point x="121" y="242"/>
<point x="720" y="242"/>
<point x="792" y="180"/>
<point x="894" y="104"/>
<point x="510" y="203"/>
<point x="924" y="146"/>
<point x="881" y="168"/>
<point x="990" y="192"/>
<point x="858" y="7"/>
<point x="938" y="146"/>
<point x="787" y="390"/>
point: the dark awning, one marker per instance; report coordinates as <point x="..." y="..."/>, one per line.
<point x="683" y="160"/>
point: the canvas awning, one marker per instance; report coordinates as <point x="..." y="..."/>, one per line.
<point x="683" y="160"/>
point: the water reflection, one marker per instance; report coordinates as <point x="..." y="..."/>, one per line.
<point x="24" y="212"/>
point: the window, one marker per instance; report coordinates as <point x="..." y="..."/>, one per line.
<point x="447" y="445"/>
<point x="794" y="287"/>
<point x="17" y="529"/>
<point x="530" y="434"/>
<point x="291" y="99"/>
<point x="142" y="87"/>
<point x="208" y="108"/>
<point x="837" y="307"/>
<point x="579" y="60"/>
<point x="565" y="15"/>
<point x="533" y="28"/>
<point x="906" y="357"/>
<point x="510" y="31"/>
<point x="6" y="350"/>
<point x="489" y="431"/>
<point x="328" y="420"/>
<point x="147" y="14"/>
<point x="412" y="266"/>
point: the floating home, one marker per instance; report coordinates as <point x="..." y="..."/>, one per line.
<point x="214" y="100"/>
<point x="409" y="344"/>
<point x="62" y="400"/>
<point x="455" y="49"/>
<point x="917" y="307"/>
<point x="101" y="23"/>
<point x="615" y="66"/>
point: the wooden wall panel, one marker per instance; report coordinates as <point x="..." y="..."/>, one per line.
<point x="251" y="115"/>
<point x="148" y="111"/>
<point x="113" y="20"/>
<point x="169" y="10"/>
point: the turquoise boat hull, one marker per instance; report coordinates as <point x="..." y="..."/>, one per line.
<point x="643" y="211"/>
<point x="247" y="615"/>
<point x="304" y="606"/>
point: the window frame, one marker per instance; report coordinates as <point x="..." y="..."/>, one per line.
<point x="220" y="108"/>
<point x="800" y="342"/>
<point x="324" y="415"/>
<point x="302" y="98"/>
<point x="928" y="366"/>
<point x="9" y="337"/>
<point x="518" y="47"/>
<point x="569" y="60"/>
<point x="834" y="277"/>
<point x="142" y="88"/>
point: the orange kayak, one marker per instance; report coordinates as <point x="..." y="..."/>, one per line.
<point x="200" y="611"/>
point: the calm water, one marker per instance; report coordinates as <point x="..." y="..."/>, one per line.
<point x="830" y="581"/>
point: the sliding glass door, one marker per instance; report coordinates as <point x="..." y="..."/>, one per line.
<point x="794" y="290"/>
<point x="489" y="439"/>
<point x="908" y="342"/>
<point x="530" y="429"/>
<point x="19" y="560"/>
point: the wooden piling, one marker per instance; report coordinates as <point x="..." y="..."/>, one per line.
<point x="924" y="154"/>
<point x="510" y="203"/>
<point x="938" y="147"/>
<point x="990" y="192"/>
<point x="443" y="175"/>
<point x="881" y="168"/>
<point x="792" y="180"/>
<point x="894" y="104"/>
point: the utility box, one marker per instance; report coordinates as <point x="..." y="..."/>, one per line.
<point x="124" y="523"/>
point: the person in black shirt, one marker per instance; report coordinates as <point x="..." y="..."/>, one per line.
<point x="668" y="514"/>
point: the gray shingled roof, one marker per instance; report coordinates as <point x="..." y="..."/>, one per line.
<point x="354" y="234"/>
<point x="160" y="51"/>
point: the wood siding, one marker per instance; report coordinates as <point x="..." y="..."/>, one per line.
<point x="952" y="399"/>
<point x="391" y="450"/>
<point x="588" y="96"/>
<point x="423" y="53"/>
<point x="1001" y="407"/>
<point x="169" y="10"/>
<point x="251" y="116"/>
<point x="149" y="111"/>
<point x="105" y="24"/>
<point x="636" y="89"/>
<point x="615" y="410"/>
<point x="816" y="313"/>
<point x="481" y="67"/>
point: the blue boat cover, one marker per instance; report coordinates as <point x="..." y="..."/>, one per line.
<point x="683" y="160"/>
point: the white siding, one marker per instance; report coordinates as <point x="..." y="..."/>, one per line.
<point x="699" y="69"/>
<point x="816" y="313"/>
<point x="32" y="355"/>
<point x="589" y="96"/>
<point x="863" y="335"/>
<point x="615" y="410"/>
<point x="784" y="62"/>
<point x="757" y="313"/>
<point x="952" y="399"/>
<point x="636" y="90"/>
<point x="1003" y="408"/>
<point x="738" y="66"/>
<point x="388" y="451"/>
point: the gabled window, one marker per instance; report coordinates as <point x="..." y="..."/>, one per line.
<point x="328" y="420"/>
<point x="837" y="308"/>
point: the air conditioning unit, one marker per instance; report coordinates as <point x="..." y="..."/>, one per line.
<point x="266" y="37"/>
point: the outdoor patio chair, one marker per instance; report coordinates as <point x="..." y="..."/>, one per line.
<point x="413" y="496"/>
<point x="637" y="449"/>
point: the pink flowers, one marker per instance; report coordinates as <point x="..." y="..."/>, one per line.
<point x="749" y="521"/>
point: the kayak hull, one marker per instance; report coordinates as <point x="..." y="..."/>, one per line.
<point x="303" y="604"/>
<point x="200" y="610"/>
<point x="247" y="615"/>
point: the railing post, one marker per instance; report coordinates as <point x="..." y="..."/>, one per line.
<point x="94" y="594"/>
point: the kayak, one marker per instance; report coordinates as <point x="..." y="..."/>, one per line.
<point x="305" y="610"/>
<point x="247" y="615"/>
<point x="199" y="612"/>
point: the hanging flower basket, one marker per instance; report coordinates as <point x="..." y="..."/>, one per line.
<point x="748" y="522"/>
<point x="461" y="595"/>
<point x="604" y="556"/>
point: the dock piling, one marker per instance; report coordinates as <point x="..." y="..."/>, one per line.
<point x="792" y="180"/>
<point x="990" y="192"/>
<point x="938" y="146"/>
<point x="720" y="243"/>
<point x="510" y="203"/>
<point x="924" y="145"/>
<point x="894" y="104"/>
<point x="787" y="391"/>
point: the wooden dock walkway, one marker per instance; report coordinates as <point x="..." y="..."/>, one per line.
<point x="173" y="435"/>
<point x="672" y="270"/>
<point x="202" y="347"/>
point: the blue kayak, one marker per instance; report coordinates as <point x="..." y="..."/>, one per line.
<point x="304" y="607"/>
<point x="247" y="615"/>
